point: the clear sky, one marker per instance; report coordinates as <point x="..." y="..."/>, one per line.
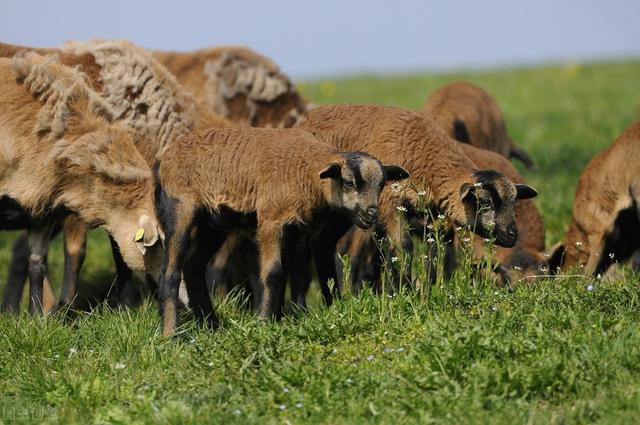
<point x="315" y="38"/>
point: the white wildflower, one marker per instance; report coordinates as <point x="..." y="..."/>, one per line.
<point x="491" y="223"/>
<point x="394" y="259"/>
<point x="119" y="365"/>
<point x="400" y="349"/>
<point x="466" y="239"/>
<point x="72" y="351"/>
<point x="430" y="240"/>
<point x="430" y="226"/>
<point x="349" y="381"/>
<point x="517" y="268"/>
<point x="396" y="187"/>
<point x="422" y="193"/>
<point x="387" y="350"/>
<point x="599" y="276"/>
<point x="370" y="358"/>
<point x="477" y="184"/>
<point x="578" y="243"/>
<point x="210" y="364"/>
<point x="282" y="407"/>
<point x="441" y="216"/>
<point x="612" y="255"/>
<point x="589" y="288"/>
<point x="237" y="412"/>
<point x="285" y="390"/>
<point x="299" y="405"/>
<point x="401" y="208"/>
<point x="544" y="269"/>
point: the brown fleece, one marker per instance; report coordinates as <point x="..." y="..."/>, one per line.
<point x="239" y="84"/>
<point x="465" y="103"/>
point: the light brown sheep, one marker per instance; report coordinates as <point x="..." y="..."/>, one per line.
<point x="471" y="115"/>
<point x="143" y="96"/>
<point x="605" y="224"/>
<point x="282" y="182"/>
<point x="238" y="84"/>
<point x="60" y="153"/>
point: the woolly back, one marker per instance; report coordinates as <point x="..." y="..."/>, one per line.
<point x="62" y="90"/>
<point x="143" y="94"/>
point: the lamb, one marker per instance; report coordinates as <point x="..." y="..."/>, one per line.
<point x="142" y="95"/>
<point x="471" y="115"/>
<point x="605" y="221"/>
<point x="282" y="182"/>
<point x="525" y="258"/>
<point x="61" y="153"/>
<point x="239" y="84"/>
<point x="482" y="200"/>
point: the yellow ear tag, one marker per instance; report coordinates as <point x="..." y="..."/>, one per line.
<point x="139" y="235"/>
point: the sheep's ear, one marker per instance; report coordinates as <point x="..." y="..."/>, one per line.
<point x="147" y="234"/>
<point x="333" y="171"/>
<point x="556" y="257"/>
<point x="395" y="172"/>
<point x="525" y="191"/>
<point x="467" y="190"/>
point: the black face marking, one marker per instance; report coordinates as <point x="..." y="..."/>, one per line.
<point x="354" y="161"/>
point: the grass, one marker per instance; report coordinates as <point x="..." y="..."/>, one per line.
<point x="555" y="352"/>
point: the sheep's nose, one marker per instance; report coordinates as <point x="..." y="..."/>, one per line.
<point x="372" y="212"/>
<point x="512" y="230"/>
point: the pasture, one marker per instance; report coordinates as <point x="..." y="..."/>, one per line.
<point x="560" y="351"/>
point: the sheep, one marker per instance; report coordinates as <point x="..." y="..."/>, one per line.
<point x="60" y="152"/>
<point x="145" y="97"/>
<point x="471" y="115"/>
<point x="238" y="84"/>
<point x="524" y="259"/>
<point x="605" y="221"/>
<point x="281" y="182"/>
<point x="482" y="200"/>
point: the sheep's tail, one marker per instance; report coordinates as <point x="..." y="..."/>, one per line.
<point x="518" y="153"/>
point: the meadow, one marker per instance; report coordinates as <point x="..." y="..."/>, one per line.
<point x="563" y="350"/>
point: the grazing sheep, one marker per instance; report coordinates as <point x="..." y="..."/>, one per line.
<point x="281" y="182"/>
<point x="470" y="115"/>
<point x="60" y="153"/>
<point x="238" y="84"/>
<point x="143" y="96"/>
<point x="605" y="224"/>
<point x="483" y="200"/>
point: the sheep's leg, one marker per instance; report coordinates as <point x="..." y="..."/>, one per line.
<point x="401" y="239"/>
<point x="18" y="272"/>
<point x="365" y="264"/>
<point x="38" y="240"/>
<point x="177" y="243"/>
<point x="208" y="243"/>
<point x="297" y="265"/>
<point x="75" y="244"/>
<point x="324" y="254"/>
<point x="598" y="261"/>
<point x="271" y="274"/>
<point x="221" y="262"/>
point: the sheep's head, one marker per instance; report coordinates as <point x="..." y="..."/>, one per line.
<point x="489" y="205"/>
<point x="356" y="182"/>
<point x="109" y="184"/>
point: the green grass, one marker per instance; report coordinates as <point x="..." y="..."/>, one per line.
<point x="550" y="353"/>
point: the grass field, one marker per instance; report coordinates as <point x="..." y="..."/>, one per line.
<point x="556" y="352"/>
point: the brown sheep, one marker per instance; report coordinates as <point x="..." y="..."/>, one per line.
<point x="145" y="97"/>
<point x="282" y="182"/>
<point x="61" y="154"/>
<point x="483" y="200"/>
<point x="239" y="84"/>
<point x="471" y="115"/>
<point x="605" y="223"/>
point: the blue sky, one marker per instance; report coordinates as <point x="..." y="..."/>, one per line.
<point x="332" y="37"/>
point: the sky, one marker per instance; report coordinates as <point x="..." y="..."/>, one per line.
<point x="335" y="37"/>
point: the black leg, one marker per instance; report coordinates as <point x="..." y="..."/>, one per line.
<point x="324" y="253"/>
<point x="194" y="270"/>
<point x="124" y="276"/>
<point x="38" y="240"/>
<point x="18" y="272"/>
<point x="296" y="261"/>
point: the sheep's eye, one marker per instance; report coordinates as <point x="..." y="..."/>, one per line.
<point x="348" y="184"/>
<point x="485" y="203"/>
